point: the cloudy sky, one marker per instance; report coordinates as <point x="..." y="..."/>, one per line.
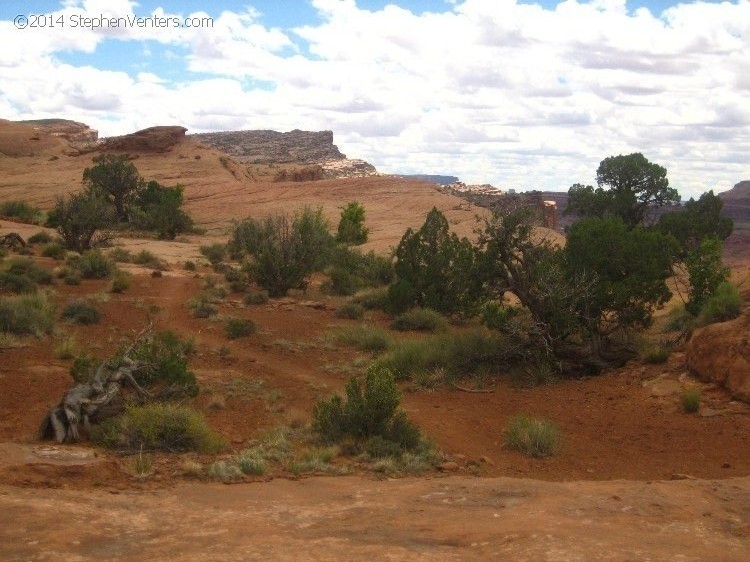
<point x="520" y="95"/>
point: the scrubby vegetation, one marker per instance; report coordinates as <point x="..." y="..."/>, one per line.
<point x="420" y="319"/>
<point x="351" y="229"/>
<point x="81" y="312"/>
<point x="23" y="315"/>
<point x="535" y="437"/>
<point x="240" y="328"/>
<point x="22" y="211"/>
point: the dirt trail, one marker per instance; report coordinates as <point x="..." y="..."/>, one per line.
<point x="353" y="518"/>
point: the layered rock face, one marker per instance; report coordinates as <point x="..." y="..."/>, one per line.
<point x="72" y="131"/>
<point x="153" y="139"/>
<point x="265" y="147"/>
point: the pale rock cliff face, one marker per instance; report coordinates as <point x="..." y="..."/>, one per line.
<point x="348" y="168"/>
<point x="72" y="131"/>
<point x="265" y="147"/>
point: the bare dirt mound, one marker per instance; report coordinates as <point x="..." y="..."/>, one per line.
<point x="353" y="518"/>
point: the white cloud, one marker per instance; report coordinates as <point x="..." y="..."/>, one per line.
<point x="513" y="94"/>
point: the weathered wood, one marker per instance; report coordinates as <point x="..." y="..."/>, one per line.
<point x="92" y="400"/>
<point x="473" y="390"/>
<point x="12" y="240"/>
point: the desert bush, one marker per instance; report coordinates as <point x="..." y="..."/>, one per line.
<point x="236" y="279"/>
<point x="351" y="229"/>
<point x="155" y="427"/>
<point x="120" y="255"/>
<point x="372" y="299"/>
<point x="66" y="348"/>
<point x="15" y="283"/>
<point x="21" y="210"/>
<point x="724" y="304"/>
<point x="535" y="437"/>
<point x="341" y="282"/>
<point x="41" y="237"/>
<point x="120" y="281"/>
<point x="655" y="352"/>
<point x="368" y="411"/>
<point x="496" y="316"/>
<point x="420" y="319"/>
<point x="92" y="264"/>
<point x="350" y="310"/>
<point x="239" y="328"/>
<point x="83" y="367"/>
<point x="705" y="271"/>
<point x="29" y="268"/>
<point x="54" y="251"/>
<point x="81" y="312"/>
<point x="223" y="471"/>
<point x="457" y="354"/>
<point x="691" y="400"/>
<point x="158" y="208"/>
<point x="83" y="220"/>
<point x="256" y="297"/>
<point x="72" y="277"/>
<point x="27" y="315"/>
<point x="370" y="269"/>
<point x="189" y="266"/>
<point x="214" y="253"/>
<point x="283" y="251"/>
<point x="201" y="308"/>
<point x="164" y="358"/>
<point x="150" y="260"/>
<point x="363" y="337"/>
<point x="250" y="462"/>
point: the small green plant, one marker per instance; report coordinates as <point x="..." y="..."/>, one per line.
<point x="120" y="281"/>
<point x="81" y="312"/>
<point x="189" y="266"/>
<point x="201" y="308"/>
<point x="313" y="460"/>
<point x="27" y="315"/>
<point x="240" y="328"/>
<point x="372" y="299"/>
<point x="141" y="465"/>
<point x="120" y="255"/>
<point x="256" y="297"/>
<point x="224" y="471"/>
<point x="83" y="367"/>
<point x="15" y="283"/>
<point x="251" y="462"/>
<point x="369" y="410"/>
<point x="655" y="353"/>
<point x="149" y="260"/>
<point x="54" y="251"/>
<point x="535" y="437"/>
<point x="92" y="264"/>
<point x="363" y="337"/>
<point x="165" y="360"/>
<point x="350" y="310"/>
<point x="154" y="427"/>
<point x="723" y="305"/>
<point x="41" y="237"/>
<point x="691" y="400"/>
<point x="214" y="253"/>
<point x="351" y="229"/>
<point x="420" y="319"/>
<point x="29" y="268"/>
<point x="21" y="210"/>
<point x="66" y="349"/>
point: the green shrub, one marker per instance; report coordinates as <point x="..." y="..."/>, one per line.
<point x="342" y="282"/>
<point x="120" y="281"/>
<point x="458" y="354"/>
<point x="655" y="354"/>
<point x="224" y="471"/>
<point x="377" y="447"/>
<point x="73" y="278"/>
<point x="54" y="251"/>
<point x="372" y="299"/>
<point x="165" y="360"/>
<point x="535" y="437"/>
<point x="81" y="312"/>
<point x="496" y="316"/>
<point x="201" y="308"/>
<point x="368" y="411"/>
<point x="691" y="400"/>
<point x="149" y="259"/>
<point x="420" y="319"/>
<point x="27" y="315"/>
<point x="66" y="349"/>
<point x="369" y="269"/>
<point x="237" y="279"/>
<point x="121" y="255"/>
<point x="256" y="297"/>
<point x="21" y="210"/>
<point x="92" y="264"/>
<point x="364" y="337"/>
<point x="15" y="283"/>
<point x="83" y="367"/>
<point x="350" y="310"/>
<point x="239" y="328"/>
<point x="41" y="237"/>
<point x="215" y="253"/>
<point x="351" y="229"/>
<point x="30" y="269"/>
<point x="190" y="266"/>
<point x="154" y="427"/>
<point x="250" y="462"/>
<point x="723" y="305"/>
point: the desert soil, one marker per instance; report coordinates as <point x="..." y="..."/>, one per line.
<point x="636" y="478"/>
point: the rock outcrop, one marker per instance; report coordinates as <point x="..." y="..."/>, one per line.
<point x="265" y="147"/>
<point x="153" y="139"/>
<point x="720" y="353"/>
<point x="348" y="168"/>
<point x="71" y="131"/>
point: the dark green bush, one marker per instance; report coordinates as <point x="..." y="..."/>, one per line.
<point x="533" y="436"/>
<point x="370" y="410"/>
<point x="214" y="253"/>
<point x="201" y="308"/>
<point x="342" y="282"/>
<point x="15" y="283"/>
<point x="351" y="229"/>
<point x="92" y="264"/>
<point x="496" y="316"/>
<point x="364" y="337"/>
<point x="256" y="297"/>
<point x="370" y="269"/>
<point x="159" y="427"/>
<point x="83" y="367"/>
<point x="27" y="315"/>
<point x="29" y="268"/>
<point x="723" y="305"/>
<point x="350" y="310"/>
<point x="420" y="319"/>
<point x="120" y="255"/>
<point x="372" y="299"/>
<point x="81" y="312"/>
<point x="54" y="251"/>
<point x="189" y="266"/>
<point x="165" y="360"/>
<point x="22" y="211"/>
<point x="149" y="259"/>
<point x="240" y="328"/>
<point x="120" y="281"/>
<point x="41" y="237"/>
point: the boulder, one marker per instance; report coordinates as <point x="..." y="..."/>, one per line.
<point x="720" y="353"/>
<point x="153" y="139"/>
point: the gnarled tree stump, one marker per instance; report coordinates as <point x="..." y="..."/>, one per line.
<point x="12" y="240"/>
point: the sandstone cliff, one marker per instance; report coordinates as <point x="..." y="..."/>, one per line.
<point x="152" y="139"/>
<point x="264" y="147"/>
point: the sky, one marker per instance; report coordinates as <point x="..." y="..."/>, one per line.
<point x="522" y="95"/>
